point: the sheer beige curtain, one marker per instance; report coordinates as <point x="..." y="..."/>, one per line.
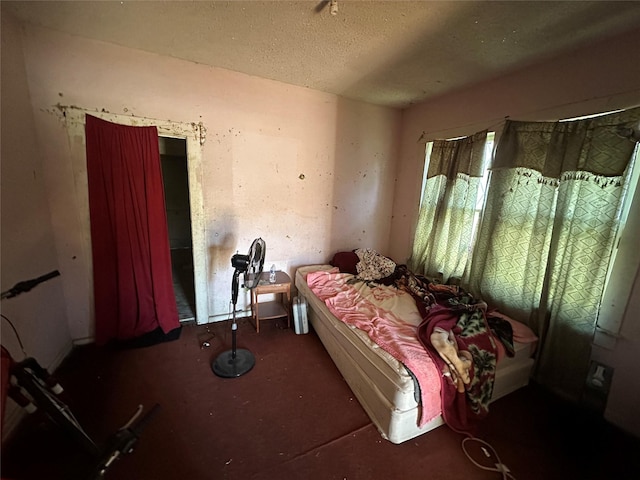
<point x="443" y="236"/>
<point x="550" y="221"/>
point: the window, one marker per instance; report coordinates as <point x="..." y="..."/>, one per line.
<point x="453" y="189"/>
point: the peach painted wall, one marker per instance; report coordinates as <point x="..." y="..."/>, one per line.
<point x="28" y="247"/>
<point x="309" y="172"/>
<point x="601" y="78"/>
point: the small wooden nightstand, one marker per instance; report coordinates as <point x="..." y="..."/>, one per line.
<point x="273" y="309"/>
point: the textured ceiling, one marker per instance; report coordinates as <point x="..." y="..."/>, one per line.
<point x="391" y="53"/>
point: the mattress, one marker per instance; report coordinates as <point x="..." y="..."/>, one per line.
<point x="383" y="386"/>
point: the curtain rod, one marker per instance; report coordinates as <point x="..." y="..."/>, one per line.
<point x="496" y="122"/>
<point x="477" y="127"/>
<point x="165" y="127"/>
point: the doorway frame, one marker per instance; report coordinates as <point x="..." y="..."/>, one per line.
<point x="194" y="134"/>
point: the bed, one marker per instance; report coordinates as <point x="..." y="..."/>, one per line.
<point x="400" y="404"/>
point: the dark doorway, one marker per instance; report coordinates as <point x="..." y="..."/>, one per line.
<point x="175" y="176"/>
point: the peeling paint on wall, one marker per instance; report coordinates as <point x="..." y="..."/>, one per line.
<point x="264" y="135"/>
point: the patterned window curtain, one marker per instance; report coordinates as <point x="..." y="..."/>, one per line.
<point x="548" y="229"/>
<point x="443" y="236"/>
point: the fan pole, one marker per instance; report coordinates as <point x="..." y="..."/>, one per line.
<point x="234" y="334"/>
<point x="233" y="363"/>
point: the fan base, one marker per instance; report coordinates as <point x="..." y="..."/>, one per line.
<point x="228" y="367"/>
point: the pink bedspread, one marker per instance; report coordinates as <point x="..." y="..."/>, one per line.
<point x="396" y="336"/>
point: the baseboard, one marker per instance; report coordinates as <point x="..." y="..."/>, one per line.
<point x="83" y="341"/>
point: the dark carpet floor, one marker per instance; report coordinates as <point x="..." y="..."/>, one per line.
<point x="291" y="417"/>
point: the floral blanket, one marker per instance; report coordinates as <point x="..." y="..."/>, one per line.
<point x="457" y="336"/>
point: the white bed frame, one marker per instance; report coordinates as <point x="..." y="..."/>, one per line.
<point x="382" y="385"/>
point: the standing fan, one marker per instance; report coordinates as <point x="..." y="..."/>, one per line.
<point x="234" y="363"/>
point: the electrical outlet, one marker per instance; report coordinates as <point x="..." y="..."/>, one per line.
<point x="599" y="377"/>
<point x="597" y="384"/>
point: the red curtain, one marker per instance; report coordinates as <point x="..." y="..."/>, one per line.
<point x="133" y="286"/>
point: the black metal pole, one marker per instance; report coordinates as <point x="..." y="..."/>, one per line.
<point x="234" y="330"/>
<point x="233" y="363"/>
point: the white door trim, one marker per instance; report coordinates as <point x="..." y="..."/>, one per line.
<point x="194" y="134"/>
